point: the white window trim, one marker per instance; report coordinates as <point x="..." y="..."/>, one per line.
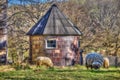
<point x="50" y="47"/>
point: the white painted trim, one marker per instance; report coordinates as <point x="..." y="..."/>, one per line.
<point x="50" y="47"/>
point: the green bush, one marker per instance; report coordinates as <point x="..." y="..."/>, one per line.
<point x="20" y="66"/>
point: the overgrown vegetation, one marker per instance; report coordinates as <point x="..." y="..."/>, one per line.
<point x="22" y="66"/>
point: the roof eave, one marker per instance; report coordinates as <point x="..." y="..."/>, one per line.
<point x="55" y="35"/>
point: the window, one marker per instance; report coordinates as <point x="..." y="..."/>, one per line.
<point x="50" y="43"/>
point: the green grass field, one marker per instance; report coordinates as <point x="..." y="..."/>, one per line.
<point x="66" y="73"/>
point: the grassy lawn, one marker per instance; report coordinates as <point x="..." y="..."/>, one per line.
<point x="67" y="73"/>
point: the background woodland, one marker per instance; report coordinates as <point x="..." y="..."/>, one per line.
<point x="99" y="21"/>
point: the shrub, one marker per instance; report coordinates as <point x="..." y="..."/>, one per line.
<point x="20" y="66"/>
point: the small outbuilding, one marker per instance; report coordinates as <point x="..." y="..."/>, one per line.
<point x="54" y="36"/>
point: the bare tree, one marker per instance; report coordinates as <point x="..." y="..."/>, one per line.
<point x="97" y="19"/>
<point x="21" y="18"/>
<point x="3" y="27"/>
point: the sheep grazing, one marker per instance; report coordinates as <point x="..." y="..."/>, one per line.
<point x="44" y="61"/>
<point x="94" y="60"/>
<point x="106" y="62"/>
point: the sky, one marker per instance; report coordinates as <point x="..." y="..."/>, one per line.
<point x="18" y="2"/>
<point x="11" y="2"/>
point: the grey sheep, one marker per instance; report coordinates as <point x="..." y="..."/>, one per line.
<point x="93" y="60"/>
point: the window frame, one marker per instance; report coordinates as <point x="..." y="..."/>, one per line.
<point x="46" y="44"/>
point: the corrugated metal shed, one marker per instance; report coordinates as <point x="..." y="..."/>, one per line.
<point x="54" y="23"/>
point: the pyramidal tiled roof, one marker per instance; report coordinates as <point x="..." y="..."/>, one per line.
<point x="54" y="22"/>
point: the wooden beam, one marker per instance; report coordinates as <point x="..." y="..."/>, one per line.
<point x="30" y="50"/>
